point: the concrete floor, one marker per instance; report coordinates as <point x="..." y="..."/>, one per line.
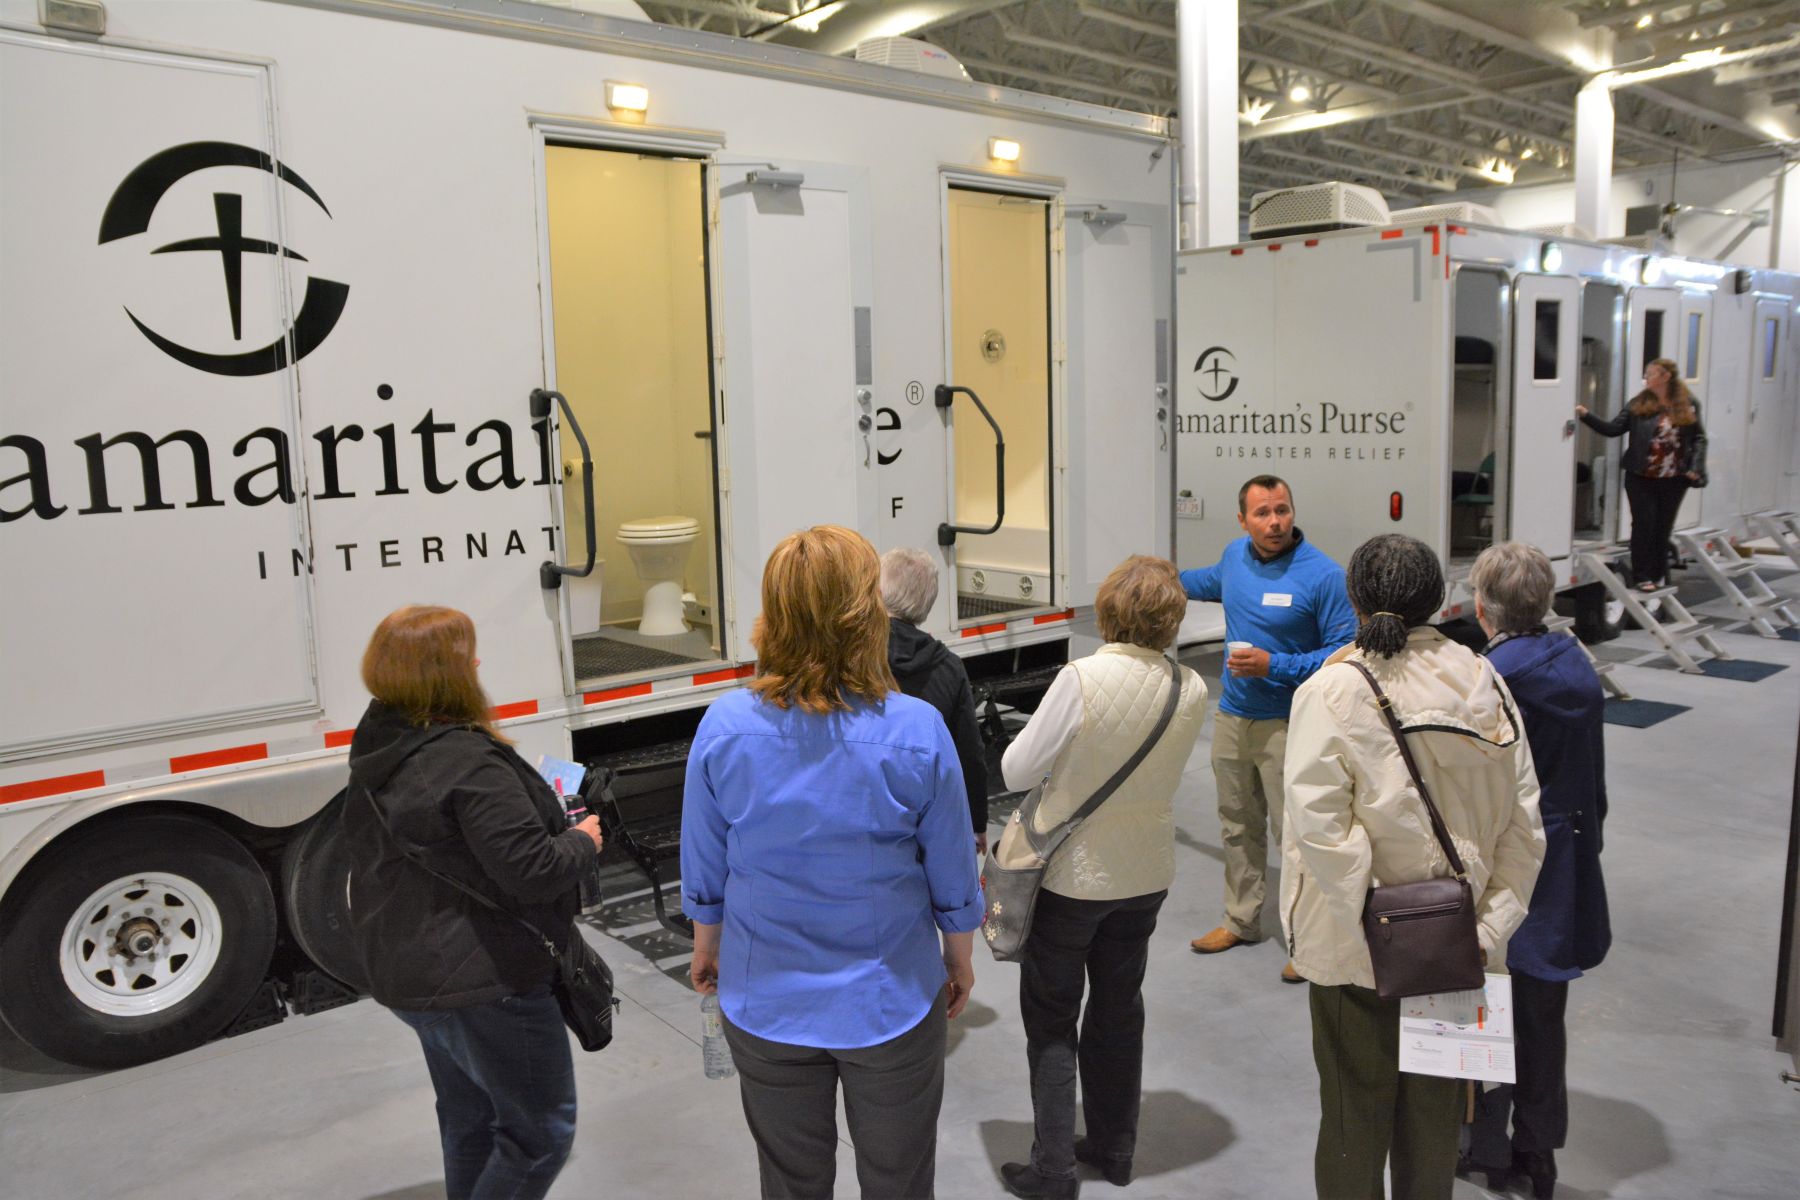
<point x="1676" y="1088"/>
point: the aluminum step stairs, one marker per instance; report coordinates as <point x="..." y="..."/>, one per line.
<point x="1669" y="634"/>
<point x="1781" y="527"/>
<point x="1736" y="576"/>
<point x="1602" y="668"/>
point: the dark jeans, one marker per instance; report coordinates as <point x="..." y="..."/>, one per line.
<point x="505" y="1083"/>
<point x="1539" y="1101"/>
<point x="892" y="1094"/>
<point x="1107" y="942"/>
<point x="1654" y="505"/>
<point x="1371" y="1116"/>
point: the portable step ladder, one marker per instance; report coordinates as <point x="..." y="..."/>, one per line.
<point x="1602" y="668"/>
<point x="1783" y="528"/>
<point x="1668" y="634"/>
<point x="1733" y="574"/>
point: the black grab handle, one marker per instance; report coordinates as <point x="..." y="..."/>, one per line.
<point x="946" y="535"/>
<point x="549" y="573"/>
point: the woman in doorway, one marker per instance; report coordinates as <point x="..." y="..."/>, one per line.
<point x="825" y="862"/>
<point x="1355" y="819"/>
<point x="1664" y="456"/>
<point x="439" y="802"/>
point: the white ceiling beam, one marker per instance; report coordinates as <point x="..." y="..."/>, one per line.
<point x="1615" y="17"/>
<point x="864" y="19"/>
<point x="1124" y="62"/>
<point x="1324" y="74"/>
<point x="1073" y="83"/>
<point x="1258" y="18"/>
<point x="1719" y="17"/>
<point x="1452" y="145"/>
<point x="1348" y="168"/>
<point x="1411" y="160"/>
<point x="747" y="13"/>
<point x="1096" y="12"/>
<point x="1705" y="113"/>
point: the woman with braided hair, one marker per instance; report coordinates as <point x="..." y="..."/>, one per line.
<point x="1355" y="820"/>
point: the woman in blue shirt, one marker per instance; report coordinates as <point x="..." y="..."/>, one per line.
<point x="825" y="863"/>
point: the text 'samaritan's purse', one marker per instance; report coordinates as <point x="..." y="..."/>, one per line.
<point x="1014" y="872"/>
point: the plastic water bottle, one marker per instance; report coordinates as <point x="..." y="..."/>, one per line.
<point x="715" y="1054"/>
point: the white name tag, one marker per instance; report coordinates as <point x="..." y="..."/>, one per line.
<point x="1279" y="599"/>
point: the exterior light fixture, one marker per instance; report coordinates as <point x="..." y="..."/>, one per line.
<point x="1003" y="150"/>
<point x="1650" y="271"/>
<point x="1550" y="258"/>
<point x="627" y="97"/>
<point x="1300" y="93"/>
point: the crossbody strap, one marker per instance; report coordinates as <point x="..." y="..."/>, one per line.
<point x="1054" y="837"/>
<point x="459" y="885"/>
<point x="1437" y="820"/>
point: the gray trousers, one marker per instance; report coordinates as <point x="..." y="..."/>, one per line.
<point x="892" y="1093"/>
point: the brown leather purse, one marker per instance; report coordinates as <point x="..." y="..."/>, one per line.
<point x="1422" y="935"/>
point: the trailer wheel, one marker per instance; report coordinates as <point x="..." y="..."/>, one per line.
<point x="315" y="896"/>
<point x="139" y="940"/>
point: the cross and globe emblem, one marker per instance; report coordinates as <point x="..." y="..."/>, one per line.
<point x="1216" y="368"/>
<point x="128" y="213"/>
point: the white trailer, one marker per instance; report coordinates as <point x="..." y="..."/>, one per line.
<point x="302" y="306"/>
<point x="1419" y="375"/>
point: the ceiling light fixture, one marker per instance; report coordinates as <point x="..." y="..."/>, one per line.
<point x="1300" y="93"/>
<point x="1527" y="152"/>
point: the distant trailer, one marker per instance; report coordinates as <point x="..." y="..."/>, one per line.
<point x="1420" y="376"/>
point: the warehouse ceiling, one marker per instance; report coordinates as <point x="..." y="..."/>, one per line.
<point x="1414" y="97"/>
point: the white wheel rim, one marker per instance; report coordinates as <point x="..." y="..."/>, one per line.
<point x="140" y="944"/>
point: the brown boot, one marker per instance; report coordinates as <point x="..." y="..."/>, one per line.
<point x="1216" y="941"/>
<point x="1289" y="975"/>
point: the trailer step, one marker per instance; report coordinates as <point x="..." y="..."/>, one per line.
<point x="1782" y="527"/>
<point x="1735" y="576"/>
<point x="1679" y="625"/>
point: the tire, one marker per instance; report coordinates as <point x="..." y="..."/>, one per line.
<point x="140" y="939"/>
<point x="315" y="896"/>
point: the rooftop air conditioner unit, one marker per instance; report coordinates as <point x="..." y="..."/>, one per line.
<point x="1314" y="208"/>
<point x="910" y="54"/>
<point x="1568" y="230"/>
<point x="1463" y="212"/>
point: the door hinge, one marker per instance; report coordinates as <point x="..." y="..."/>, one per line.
<point x="1059" y="352"/>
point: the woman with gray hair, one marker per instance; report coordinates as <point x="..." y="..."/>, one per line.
<point x="926" y="669"/>
<point x="1568" y="930"/>
<point x="1355" y="818"/>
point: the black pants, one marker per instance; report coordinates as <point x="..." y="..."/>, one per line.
<point x="1654" y="503"/>
<point x="1540" y="1100"/>
<point x="892" y="1093"/>
<point x="1108" y="943"/>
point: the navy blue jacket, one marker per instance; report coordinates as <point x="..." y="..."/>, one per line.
<point x="1568" y="930"/>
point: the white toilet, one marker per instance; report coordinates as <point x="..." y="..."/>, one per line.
<point x="659" y="553"/>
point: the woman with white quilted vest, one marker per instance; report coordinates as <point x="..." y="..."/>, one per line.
<point x="1104" y="885"/>
<point x="1355" y="821"/>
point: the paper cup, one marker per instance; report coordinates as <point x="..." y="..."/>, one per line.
<point x="1234" y="647"/>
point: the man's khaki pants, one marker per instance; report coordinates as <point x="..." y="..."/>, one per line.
<point x="1246" y="762"/>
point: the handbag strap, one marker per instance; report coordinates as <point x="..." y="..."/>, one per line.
<point x="543" y="939"/>
<point x="1054" y="837"/>
<point x="1412" y="767"/>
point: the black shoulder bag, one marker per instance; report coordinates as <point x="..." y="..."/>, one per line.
<point x="1422" y="935"/>
<point x="582" y="982"/>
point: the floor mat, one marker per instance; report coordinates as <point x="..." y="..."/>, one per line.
<point x="1740" y="668"/>
<point x="1640" y="714"/>
<point x="596" y="657"/>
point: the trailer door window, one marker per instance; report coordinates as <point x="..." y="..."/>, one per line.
<point x="1691" y="370"/>
<point x="1653" y="335"/>
<point x="1771" y="339"/>
<point x="1546" y="347"/>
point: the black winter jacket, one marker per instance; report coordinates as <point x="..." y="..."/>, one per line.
<point x="475" y="811"/>
<point x="1692" y="440"/>
<point x="925" y="668"/>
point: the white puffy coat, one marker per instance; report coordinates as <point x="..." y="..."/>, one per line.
<point x="1355" y="819"/>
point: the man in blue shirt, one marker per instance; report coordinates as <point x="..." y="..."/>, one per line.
<point x="1286" y="601"/>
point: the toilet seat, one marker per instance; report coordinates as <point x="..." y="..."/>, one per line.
<point x="658" y="529"/>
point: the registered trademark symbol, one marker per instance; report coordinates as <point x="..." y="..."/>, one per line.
<point x="915" y="392"/>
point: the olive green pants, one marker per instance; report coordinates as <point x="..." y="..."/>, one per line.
<point x="1370" y="1115"/>
<point x="1246" y="761"/>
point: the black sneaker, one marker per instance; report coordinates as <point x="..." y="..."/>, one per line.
<point x="1117" y="1171"/>
<point x="1022" y="1179"/>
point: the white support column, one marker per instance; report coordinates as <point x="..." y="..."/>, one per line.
<point x="1594" y="156"/>
<point x="1207" y="37"/>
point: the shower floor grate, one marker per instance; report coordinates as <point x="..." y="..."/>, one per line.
<point x="969" y="607"/>
<point x="598" y="655"/>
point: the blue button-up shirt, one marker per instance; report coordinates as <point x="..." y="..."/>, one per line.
<point x="833" y="847"/>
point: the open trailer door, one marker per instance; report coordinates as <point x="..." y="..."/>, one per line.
<point x="1546" y="374"/>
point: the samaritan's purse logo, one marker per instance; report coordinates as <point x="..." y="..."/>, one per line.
<point x="1215" y="367"/>
<point x="128" y="213"/>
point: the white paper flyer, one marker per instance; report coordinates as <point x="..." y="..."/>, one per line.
<point x="1460" y="1035"/>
